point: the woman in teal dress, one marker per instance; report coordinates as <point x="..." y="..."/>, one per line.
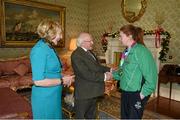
<point x="46" y="73"/>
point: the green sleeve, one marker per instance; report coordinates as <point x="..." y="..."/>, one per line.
<point x="117" y="74"/>
<point x="149" y="71"/>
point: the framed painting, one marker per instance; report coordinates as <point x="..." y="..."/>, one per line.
<point x="20" y="19"/>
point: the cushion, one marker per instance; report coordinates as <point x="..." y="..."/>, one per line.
<point x="7" y="67"/>
<point x="21" y="69"/>
<point x="27" y="63"/>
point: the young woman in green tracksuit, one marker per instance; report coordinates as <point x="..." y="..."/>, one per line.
<point x="137" y="73"/>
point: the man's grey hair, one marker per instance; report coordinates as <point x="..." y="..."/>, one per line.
<point x="82" y="36"/>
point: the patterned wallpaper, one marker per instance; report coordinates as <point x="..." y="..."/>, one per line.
<point x="98" y="16"/>
<point x="76" y="22"/>
<point x="106" y="14"/>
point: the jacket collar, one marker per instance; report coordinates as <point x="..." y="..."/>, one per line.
<point x="83" y="52"/>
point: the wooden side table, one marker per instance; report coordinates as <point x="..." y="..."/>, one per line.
<point x="167" y="74"/>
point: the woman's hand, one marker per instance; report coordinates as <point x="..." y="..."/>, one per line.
<point x="48" y="82"/>
<point x="113" y="67"/>
<point x="68" y="80"/>
<point x="141" y="96"/>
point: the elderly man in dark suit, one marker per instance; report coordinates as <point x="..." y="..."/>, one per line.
<point x="89" y="77"/>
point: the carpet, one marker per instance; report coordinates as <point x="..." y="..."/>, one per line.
<point x="109" y="108"/>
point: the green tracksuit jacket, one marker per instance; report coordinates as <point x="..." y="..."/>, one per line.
<point x="138" y="64"/>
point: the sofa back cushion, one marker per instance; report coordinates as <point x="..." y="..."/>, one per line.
<point x="7" y="66"/>
<point x="21" y="69"/>
<point x="26" y="61"/>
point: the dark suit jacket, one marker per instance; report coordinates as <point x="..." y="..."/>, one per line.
<point x="89" y="75"/>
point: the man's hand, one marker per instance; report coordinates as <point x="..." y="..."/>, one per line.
<point x="108" y="76"/>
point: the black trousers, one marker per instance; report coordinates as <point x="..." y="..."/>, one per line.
<point x="132" y="106"/>
<point x="85" y="109"/>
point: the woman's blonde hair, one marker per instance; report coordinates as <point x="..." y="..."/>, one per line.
<point x="48" y="29"/>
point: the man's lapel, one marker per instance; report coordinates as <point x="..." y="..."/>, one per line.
<point x="92" y="55"/>
<point x="88" y="56"/>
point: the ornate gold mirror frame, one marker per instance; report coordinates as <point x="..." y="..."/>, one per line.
<point x="132" y="10"/>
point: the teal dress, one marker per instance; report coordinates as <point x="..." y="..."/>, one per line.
<point x="45" y="101"/>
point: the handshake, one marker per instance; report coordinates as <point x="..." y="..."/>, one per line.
<point x="110" y="84"/>
<point x="108" y="75"/>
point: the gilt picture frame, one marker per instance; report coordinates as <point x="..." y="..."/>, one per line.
<point x="20" y="19"/>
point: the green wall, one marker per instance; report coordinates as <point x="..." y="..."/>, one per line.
<point x="104" y="14"/>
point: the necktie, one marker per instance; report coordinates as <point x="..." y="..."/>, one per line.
<point x="89" y="52"/>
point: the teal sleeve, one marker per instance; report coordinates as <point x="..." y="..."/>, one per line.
<point x="38" y="63"/>
<point x="149" y="71"/>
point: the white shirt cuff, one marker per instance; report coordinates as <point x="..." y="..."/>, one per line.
<point x="105" y="77"/>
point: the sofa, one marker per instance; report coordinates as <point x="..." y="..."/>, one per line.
<point x="15" y="73"/>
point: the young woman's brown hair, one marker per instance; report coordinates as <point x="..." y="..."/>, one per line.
<point x="136" y="32"/>
<point x="139" y="35"/>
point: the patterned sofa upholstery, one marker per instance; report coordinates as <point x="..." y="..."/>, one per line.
<point x="15" y="73"/>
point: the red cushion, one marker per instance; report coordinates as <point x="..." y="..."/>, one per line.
<point x="21" y="69"/>
<point x="7" y="67"/>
